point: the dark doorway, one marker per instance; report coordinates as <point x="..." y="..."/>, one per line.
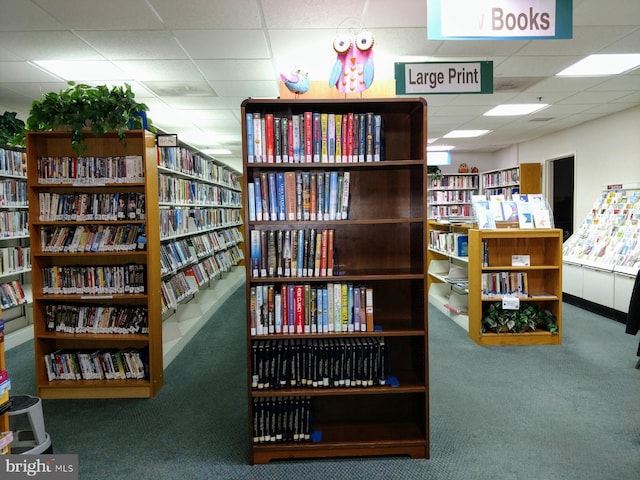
<point x="563" y="189"/>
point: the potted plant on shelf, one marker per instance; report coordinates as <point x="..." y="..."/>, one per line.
<point x="11" y="130"/>
<point x="529" y="317"/>
<point x="80" y="108"/>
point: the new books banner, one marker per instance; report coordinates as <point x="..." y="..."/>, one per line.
<point x="499" y="19"/>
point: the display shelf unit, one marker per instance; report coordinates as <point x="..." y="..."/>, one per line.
<point x="111" y="171"/>
<point x="523" y="178"/>
<point x="544" y="274"/>
<point x="379" y="246"/>
<point x="450" y="194"/>
<point x="15" y="257"/>
<point x="602" y="257"/>
<point x="447" y="279"/>
<point x="200" y="242"/>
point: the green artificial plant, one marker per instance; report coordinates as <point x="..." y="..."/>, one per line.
<point x="82" y="107"/>
<point x="11" y="130"/>
<point x="529" y="317"/>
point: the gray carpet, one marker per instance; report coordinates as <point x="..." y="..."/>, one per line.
<point x="545" y="412"/>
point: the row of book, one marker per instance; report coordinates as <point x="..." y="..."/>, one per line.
<point x="90" y="170"/>
<point x="94" y="279"/>
<point x="96" y="319"/>
<point x="501" y="178"/>
<point x="14" y="223"/>
<point x="183" y="160"/>
<point x="181" y="253"/>
<point x="453" y="243"/>
<point x="509" y="193"/>
<point x="292" y="253"/>
<point x="216" y="240"/>
<point x="188" y="281"/>
<point x="12" y="294"/>
<point x="504" y="284"/>
<point x="448" y="211"/>
<point x="314" y="137"/>
<point x="13" y="162"/>
<point x="95" y="365"/>
<point x="281" y="419"/>
<point x="91" y="206"/>
<point x="14" y="259"/>
<point x="184" y="191"/>
<point x="450" y="196"/>
<point x="306" y="308"/>
<point x="453" y="181"/>
<point x="13" y="193"/>
<point x="299" y="196"/>
<point x="93" y="238"/>
<point x="182" y="221"/>
<point x="319" y="363"/>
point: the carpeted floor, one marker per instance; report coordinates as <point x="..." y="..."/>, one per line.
<point x="545" y="412"/>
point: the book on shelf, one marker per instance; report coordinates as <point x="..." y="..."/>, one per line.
<point x="314" y="137"/>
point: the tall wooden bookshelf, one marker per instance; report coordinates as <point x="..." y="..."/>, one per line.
<point x="544" y="274"/>
<point x="379" y="246"/>
<point x="50" y="154"/>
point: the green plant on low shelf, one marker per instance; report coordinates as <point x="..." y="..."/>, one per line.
<point x="11" y="130"/>
<point x="80" y="108"/>
<point x="529" y="317"/>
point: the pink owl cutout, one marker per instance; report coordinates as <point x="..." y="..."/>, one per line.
<point x="353" y="70"/>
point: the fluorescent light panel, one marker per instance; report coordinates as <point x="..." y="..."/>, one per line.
<point x="466" y="133"/>
<point x="515" y="109"/>
<point x="595" y="65"/>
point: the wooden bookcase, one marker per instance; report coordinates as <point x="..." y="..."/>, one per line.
<point x="523" y="178"/>
<point x="544" y="247"/>
<point x="380" y="246"/>
<point x="57" y="145"/>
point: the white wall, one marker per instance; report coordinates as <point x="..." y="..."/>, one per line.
<point x="607" y="151"/>
<point x="484" y="161"/>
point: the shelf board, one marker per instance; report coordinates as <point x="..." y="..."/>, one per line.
<point x="346" y="440"/>
<point x="68" y="389"/>
<point x="529" y="338"/>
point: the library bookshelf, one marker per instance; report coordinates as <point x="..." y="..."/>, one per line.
<point x="87" y="281"/>
<point x="523" y="178"/>
<point x="15" y="263"/>
<point x="378" y="247"/>
<point x="448" y="278"/>
<point x="544" y="274"/>
<point x="4" y="395"/>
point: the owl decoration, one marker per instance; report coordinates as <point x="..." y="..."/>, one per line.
<point x="296" y="81"/>
<point x="353" y="69"/>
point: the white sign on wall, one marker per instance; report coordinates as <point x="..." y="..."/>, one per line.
<point x="499" y="19"/>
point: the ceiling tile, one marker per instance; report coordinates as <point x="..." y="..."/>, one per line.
<point x="19" y="15"/>
<point x="250" y="89"/>
<point x="135" y="44"/>
<point x="312" y="13"/>
<point x="208" y="14"/>
<point x="252" y="69"/>
<point x="160" y="70"/>
<point x="209" y="44"/>
<point x="24" y="72"/>
<point x="56" y="45"/>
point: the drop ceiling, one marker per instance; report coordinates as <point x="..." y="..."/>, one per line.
<point x="194" y="61"/>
